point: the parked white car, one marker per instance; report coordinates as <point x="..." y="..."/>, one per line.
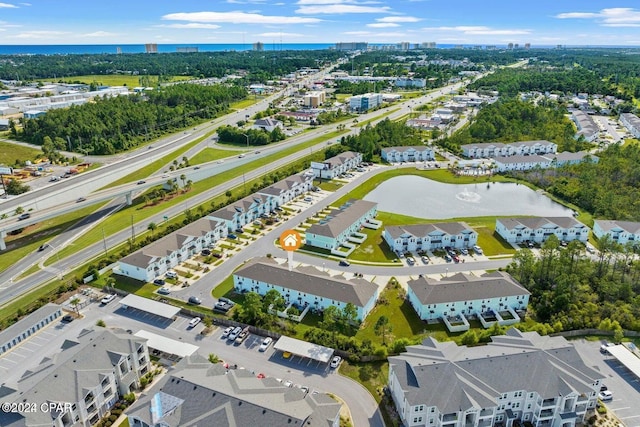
<point x="193" y="322"/>
<point x="265" y="344"/>
<point x="107" y="299"/>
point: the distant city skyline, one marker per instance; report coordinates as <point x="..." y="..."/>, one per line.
<point x="494" y="22"/>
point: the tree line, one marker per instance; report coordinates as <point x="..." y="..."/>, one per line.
<point x="113" y="124"/>
<point x="250" y="137"/>
<point x="372" y="139"/>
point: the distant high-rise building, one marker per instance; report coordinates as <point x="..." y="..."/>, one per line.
<point x="151" y="48"/>
<point x="118" y="50"/>
<point x="352" y="45"/>
<point x="510" y="46"/>
<point x="428" y="45"/>
<point x="527" y="45"/>
<point x="404" y="45"/>
<point x="491" y="47"/>
<point x="516" y="46"/>
<point x="187" y="49"/>
<point x="258" y="46"/>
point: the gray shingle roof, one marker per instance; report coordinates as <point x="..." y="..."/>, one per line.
<point x="628" y="226"/>
<point x="538" y="222"/>
<point x="341" y="159"/>
<point x="455" y="378"/>
<point x="522" y="159"/>
<point x="356" y="291"/>
<point x="465" y="288"/>
<point x="567" y="156"/>
<point x="402" y="149"/>
<point x="342" y="219"/>
<point x="198" y="392"/>
<point x="422" y="230"/>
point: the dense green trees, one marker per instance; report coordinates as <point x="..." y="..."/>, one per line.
<point x="571" y="291"/>
<point x="386" y="133"/>
<point x="111" y="125"/>
<point x="512" y="120"/>
<point x="256" y="136"/>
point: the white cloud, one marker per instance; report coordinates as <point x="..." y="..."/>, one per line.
<point x="383" y="25"/>
<point x="610" y="17"/>
<point x="339" y="9"/>
<point x="238" y="18"/>
<point x="25" y="4"/>
<point x="479" y="30"/>
<point x="398" y="19"/>
<point x="246" y="1"/>
<point x="42" y="34"/>
<point x="192" y="25"/>
<point x="303" y="2"/>
<point x="357" y="33"/>
<point x="100" y="34"/>
<point x="281" y="35"/>
<point x="8" y="6"/>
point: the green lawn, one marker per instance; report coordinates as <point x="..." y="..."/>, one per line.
<point x="210" y="154"/>
<point x="373" y="375"/>
<point x="28" y="301"/>
<point x="224" y="289"/>
<point x="248" y="102"/>
<point x="330" y="185"/>
<point x="9" y="153"/>
<point x="112" y="79"/>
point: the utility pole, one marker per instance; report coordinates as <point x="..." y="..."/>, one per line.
<point x="104" y="242"/>
<point x="133" y="231"/>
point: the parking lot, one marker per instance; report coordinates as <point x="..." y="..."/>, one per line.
<point x="624" y="385"/>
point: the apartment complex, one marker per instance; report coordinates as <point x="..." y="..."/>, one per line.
<point x="539" y="229"/>
<point x="621" y="232"/>
<point x="407" y="154"/>
<point x="587" y="127"/>
<point x="632" y="123"/>
<point x="499" y="149"/>
<point x="337" y="165"/>
<point x="427" y="237"/>
<point x="520" y="376"/>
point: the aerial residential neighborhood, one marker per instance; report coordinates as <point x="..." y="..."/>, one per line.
<point x="379" y="214"/>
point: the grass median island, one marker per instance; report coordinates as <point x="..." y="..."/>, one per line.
<point x="210" y="154"/>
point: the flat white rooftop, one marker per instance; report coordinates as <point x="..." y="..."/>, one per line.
<point x="626" y="357"/>
<point x="304" y="349"/>
<point x="167" y="345"/>
<point x="150" y="306"/>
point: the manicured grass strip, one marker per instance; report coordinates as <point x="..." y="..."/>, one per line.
<point x="25" y="303"/>
<point x="210" y="154"/>
<point x="9" y="153"/>
<point x="139" y="211"/>
<point x="35" y="235"/>
<point x="238" y="105"/>
<point x="112" y="79"/>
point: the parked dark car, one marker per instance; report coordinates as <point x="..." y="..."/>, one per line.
<point x="159" y="282"/>
<point x="67" y="319"/>
<point x="217" y="255"/>
<point x="194" y="300"/>
<point x="205" y="252"/>
<point x="344" y="263"/>
<point x="232" y="236"/>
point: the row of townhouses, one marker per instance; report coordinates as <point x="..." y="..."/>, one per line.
<point x="337" y="165"/>
<point x="407" y="154"/>
<point x="499" y="149"/>
<point x="587" y="127"/>
<point x="539" y="229"/>
<point x="621" y="232"/>
<point x="306" y="286"/>
<point x="523" y="163"/>
<point x="427" y="237"/>
<point x="156" y="258"/>
<point x="632" y="123"/>
<point x="87" y="376"/>
<point x="518" y="377"/>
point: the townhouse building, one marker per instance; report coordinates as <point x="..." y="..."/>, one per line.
<point x="246" y="210"/>
<point x="621" y="232"/>
<point x="87" y="377"/>
<point x="587" y="127"/>
<point x="407" y="154"/>
<point x="427" y="237"/>
<point x="306" y="286"/>
<point x="337" y="228"/>
<point x="441" y="384"/>
<point x="288" y="189"/>
<point x="568" y="158"/>
<point x="632" y="123"/>
<point x="539" y="229"/>
<point x="362" y="103"/>
<point x="333" y="167"/>
<point x="494" y="295"/>
<point x="196" y="392"/>
<point x="156" y="258"/>
<point x="28" y="326"/>
<point x="499" y="149"/>
<point x="521" y="163"/>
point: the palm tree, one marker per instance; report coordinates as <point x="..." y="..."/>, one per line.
<point x="183" y="178"/>
<point x="189" y="185"/>
<point x="74" y="302"/>
<point x="152" y="227"/>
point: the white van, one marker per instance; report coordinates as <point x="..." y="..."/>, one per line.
<point x="170" y="274"/>
<point x="193" y="322"/>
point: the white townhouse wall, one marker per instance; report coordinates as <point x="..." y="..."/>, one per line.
<point x="28" y="326"/>
<point x="568" y="158"/>
<point x="587" y="127"/>
<point x="499" y="149"/>
<point x="156" y="258"/>
<point x="91" y="373"/>
<point x="245" y="210"/>
<point x="621" y="232"/>
<point x="518" y="376"/>
<point x="336" y="228"/>
<point x="306" y="286"/>
<point x="538" y="229"/>
<point x="466" y="295"/>
<point x="631" y="122"/>
<point x="427" y="237"/>
<point x="521" y="162"/>
<point x="289" y="188"/>
<point x="407" y="154"/>
<point x="333" y="167"/>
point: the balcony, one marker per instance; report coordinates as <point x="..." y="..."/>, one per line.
<point x="449" y="418"/>
<point x="548" y="402"/>
<point x="546" y="413"/>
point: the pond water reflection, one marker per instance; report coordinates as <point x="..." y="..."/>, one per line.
<point x="423" y="198"/>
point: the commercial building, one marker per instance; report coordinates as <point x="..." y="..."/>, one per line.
<point x="87" y="377"/>
<point x="519" y="376"/>
<point x="492" y="297"/>
<point x="410" y="82"/>
<point x="337" y="165"/>
<point x="268" y="124"/>
<point x="28" y="326"/>
<point x="621" y="232"/>
<point x="306" y="286"/>
<point x="365" y="102"/>
<point x="632" y="123"/>
<point x="539" y="229"/>
<point x="339" y="230"/>
<point x="314" y="99"/>
<point x="407" y="154"/>
<point x="499" y="149"/>
<point x="199" y="393"/>
<point x="427" y="237"/>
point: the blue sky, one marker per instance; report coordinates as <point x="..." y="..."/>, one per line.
<point x="540" y="22"/>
